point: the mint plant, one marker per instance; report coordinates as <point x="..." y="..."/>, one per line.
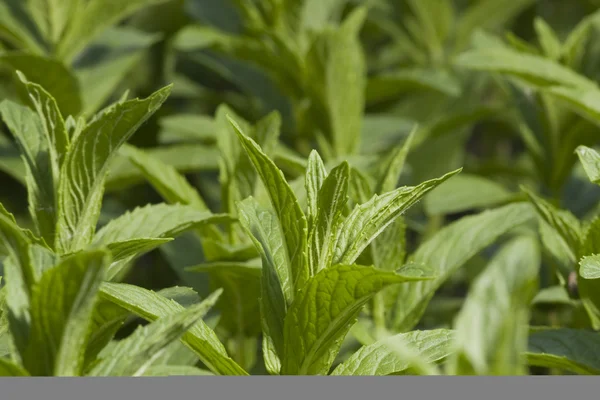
<point x="309" y="259"/>
<point x="271" y="193"/>
<point x="66" y="163"/>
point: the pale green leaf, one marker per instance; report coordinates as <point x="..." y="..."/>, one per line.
<point x="553" y="295"/>
<point x="175" y="370"/>
<point x="449" y="249"/>
<point x="285" y="204"/>
<point x="583" y="100"/>
<point x="277" y="289"/>
<point x="549" y="42"/>
<point x="93" y="17"/>
<point x="465" y="192"/>
<point x="184" y="158"/>
<point x="561" y="221"/>
<point x="151" y="306"/>
<point x="590" y="159"/>
<point x="240" y="304"/>
<point x="377" y="359"/>
<point x="315" y="175"/>
<point x="133" y="247"/>
<point x="390" y="86"/>
<point x="20" y="275"/>
<point x="331" y="204"/>
<point x="187" y="128"/>
<point x="167" y="181"/>
<point x="54" y="125"/>
<point x="155" y="221"/>
<point x="122" y="49"/>
<point x="133" y="355"/>
<point x="345" y="84"/>
<point x="52" y="16"/>
<point x="391" y="170"/>
<point x="41" y="175"/>
<point x="10" y="368"/>
<point x="492" y="327"/>
<point x="62" y="304"/>
<point x="316" y="14"/>
<point x="324" y="311"/>
<point x="589" y="267"/>
<point x="368" y="220"/>
<point x="85" y="167"/>
<point x="535" y="70"/>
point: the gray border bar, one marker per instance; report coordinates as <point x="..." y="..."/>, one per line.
<point x="304" y="388"/>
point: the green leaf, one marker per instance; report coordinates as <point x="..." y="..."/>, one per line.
<point x="52" y="16"/>
<point x="567" y="349"/>
<point x="277" y="289"/>
<point x="240" y="303"/>
<point x="17" y="28"/>
<point x="134" y="247"/>
<point x="184" y="158"/>
<point x="492" y="327"/>
<point x="465" y="192"/>
<point x="574" y="44"/>
<point x="315" y="14"/>
<point x="553" y="295"/>
<point x="52" y="121"/>
<point x="368" y="220"/>
<point x="331" y="204"/>
<point x="85" y="167"/>
<point x="449" y="249"/>
<point x="237" y="176"/>
<point x="20" y="275"/>
<point x="151" y="306"/>
<point x="290" y="217"/>
<point x="549" y="42"/>
<point x="10" y="368"/>
<point x="107" y="319"/>
<point x="589" y="267"/>
<point x="133" y="355"/>
<point x="582" y="100"/>
<point x="390" y="86"/>
<point x="345" y="84"/>
<point x="144" y="228"/>
<point x="122" y="49"/>
<point x="41" y="170"/>
<point x="155" y="221"/>
<point x="377" y="359"/>
<point x="487" y="15"/>
<point x="62" y="304"/>
<point x="93" y="17"/>
<point x="537" y="71"/>
<point x="175" y="370"/>
<point x="391" y="170"/>
<point x="169" y="183"/>
<point x="590" y="159"/>
<point x="50" y="74"/>
<point x="315" y="175"/>
<point x="561" y="221"/>
<point x="324" y="311"/>
<point x="187" y="128"/>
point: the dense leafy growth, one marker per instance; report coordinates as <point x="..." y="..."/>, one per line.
<point x="299" y="187"/>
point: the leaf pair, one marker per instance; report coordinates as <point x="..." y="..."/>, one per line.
<point x="311" y="289"/>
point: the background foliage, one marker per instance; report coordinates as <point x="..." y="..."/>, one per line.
<point x="390" y="93"/>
